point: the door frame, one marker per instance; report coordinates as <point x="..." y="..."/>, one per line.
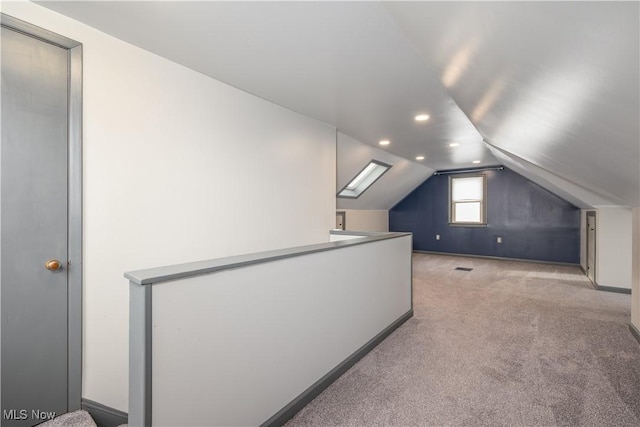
<point x="343" y="214"/>
<point x="74" y="208"/>
<point x="595" y="238"/>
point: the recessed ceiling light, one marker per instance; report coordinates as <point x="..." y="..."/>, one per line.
<point x="420" y="158"/>
<point x="385" y="142"/>
<point x="422" y="117"/>
<point x="476" y="161"/>
<point x="454" y="144"/>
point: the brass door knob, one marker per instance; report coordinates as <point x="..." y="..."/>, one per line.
<point x="53" y="265"/>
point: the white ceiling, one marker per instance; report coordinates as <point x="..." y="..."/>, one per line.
<point x="552" y="84"/>
<point x="403" y="177"/>
<point x="344" y="63"/>
<point x="573" y="193"/>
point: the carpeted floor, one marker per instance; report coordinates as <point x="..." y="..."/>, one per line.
<point x="507" y="343"/>
<point x="78" y="418"/>
<point x="72" y="419"/>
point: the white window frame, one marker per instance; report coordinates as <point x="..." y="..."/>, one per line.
<point x="483" y="201"/>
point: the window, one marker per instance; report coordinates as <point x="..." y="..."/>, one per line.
<point x="467" y="200"/>
<point x="364" y="179"/>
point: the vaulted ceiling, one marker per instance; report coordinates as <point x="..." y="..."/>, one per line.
<point x="555" y="84"/>
<point x="550" y="89"/>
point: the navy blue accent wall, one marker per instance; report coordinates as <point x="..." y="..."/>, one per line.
<point x="533" y="223"/>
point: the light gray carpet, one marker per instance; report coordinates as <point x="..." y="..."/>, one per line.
<point x="72" y="419"/>
<point x="79" y="418"/>
<point x="508" y="343"/>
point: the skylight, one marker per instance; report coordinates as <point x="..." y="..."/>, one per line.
<point x="364" y="179"/>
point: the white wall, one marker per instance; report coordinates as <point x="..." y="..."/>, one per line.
<point x="234" y="347"/>
<point x="366" y="220"/>
<point x="179" y="167"/>
<point x="613" y="247"/>
<point x="635" y="289"/>
<point x="403" y="177"/>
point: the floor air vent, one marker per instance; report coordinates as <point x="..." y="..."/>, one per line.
<point x="464" y="268"/>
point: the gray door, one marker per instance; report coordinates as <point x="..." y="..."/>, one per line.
<point x="591" y="248"/>
<point x="33" y="229"/>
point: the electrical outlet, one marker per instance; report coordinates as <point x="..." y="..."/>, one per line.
<point x="499" y="239"/>
<point x="437" y="237"/>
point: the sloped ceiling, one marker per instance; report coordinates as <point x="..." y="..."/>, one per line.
<point x="552" y="87"/>
<point x="554" y="83"/>
<point x="573" y="193"/>
<point x="397" y="182"/>
<point x="344" y="63"/>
